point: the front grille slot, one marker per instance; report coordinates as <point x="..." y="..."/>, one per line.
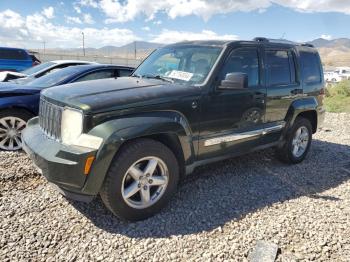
<point x="50" y="116"/>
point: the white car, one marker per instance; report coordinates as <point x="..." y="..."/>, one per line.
<point x="343" y="72"/>
<point x="40" y="70"/>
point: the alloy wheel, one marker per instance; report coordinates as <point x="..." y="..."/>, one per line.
<point x="300" y="141"/>
<point x="145" y="182"/>
<point x="10" y="133"/>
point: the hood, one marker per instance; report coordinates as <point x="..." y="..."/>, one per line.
<point x="6" y="75"/>
<point x="15" y="89"/>
<point x="114" y="94"/>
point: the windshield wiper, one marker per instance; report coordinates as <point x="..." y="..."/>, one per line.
<point x="157" y="77"/>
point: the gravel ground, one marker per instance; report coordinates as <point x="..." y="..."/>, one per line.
<point x="218" y="213"/>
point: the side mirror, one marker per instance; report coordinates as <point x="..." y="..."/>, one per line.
<point x="234" y="81"/>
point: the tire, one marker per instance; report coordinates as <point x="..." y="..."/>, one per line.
<point x="285" y="153"/>
<point x="12" y="123"/>
<point x="119" y="181"/>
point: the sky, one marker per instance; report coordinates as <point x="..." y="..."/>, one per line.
<point x="60" y="24"/>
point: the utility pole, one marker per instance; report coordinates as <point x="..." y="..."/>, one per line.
<point x="83" y="42"/>
<point x="44" y="43"/>
<point x="135" y="50"/>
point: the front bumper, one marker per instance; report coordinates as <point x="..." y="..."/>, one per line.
<point x="60" y="164"/>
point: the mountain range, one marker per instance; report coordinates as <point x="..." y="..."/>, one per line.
<point x="334" y="52"/>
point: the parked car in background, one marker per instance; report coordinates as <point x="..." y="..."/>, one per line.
<point x="343" y="72"/>
<point x="132" y="139"/>
<point x="38" y="71"/>
<point x="15" y="59"/>
<point x="35" y="60"/>
<point x="328" y="76"/>
<point x="19" y="103"/>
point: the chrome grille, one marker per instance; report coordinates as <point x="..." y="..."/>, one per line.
<point x="50" y="117"/>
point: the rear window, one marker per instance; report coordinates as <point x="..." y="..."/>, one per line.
<point x="310" y="63"/>
<point x="13" y="54"/>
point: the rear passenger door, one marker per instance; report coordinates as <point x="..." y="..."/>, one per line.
<point x="282" y="82"/>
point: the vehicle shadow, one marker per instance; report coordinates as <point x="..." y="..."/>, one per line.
<point x="218" y="193"/>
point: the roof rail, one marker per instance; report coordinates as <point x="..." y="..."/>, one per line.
<point x="276" y="41"/>
<point x="307" y="44"/>
<point x="261" y="39"/>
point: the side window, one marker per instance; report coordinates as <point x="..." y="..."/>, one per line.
<point x="54" y="69"/>
<point x="243" y="60"/>
<point x="280" y="67"/>
<point x="124" y="72"/>
<point x="97" y="75"/>
<point x="311" y="67"/>
<point x="13" y="54"/>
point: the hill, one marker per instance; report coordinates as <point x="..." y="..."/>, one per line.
<point x="334" y="52"/>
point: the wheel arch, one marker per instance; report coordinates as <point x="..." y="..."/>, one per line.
<point x="307" y="108"/>
<point x="19" y="108"/>
<point x="169" y="128"/>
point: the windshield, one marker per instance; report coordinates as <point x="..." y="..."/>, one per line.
<point x="36" y="69"/>
<point x="55" y="78"/>
<point x="183" y="64"/>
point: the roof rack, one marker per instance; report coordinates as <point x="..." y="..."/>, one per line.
<point x="261" y="39"/>
<point x="307" y="44"/>
<point x="280" y="41"/>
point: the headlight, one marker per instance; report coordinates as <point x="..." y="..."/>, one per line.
<point x="71" y="125"/>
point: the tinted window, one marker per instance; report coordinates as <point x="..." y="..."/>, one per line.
<point x="97" y="75"/>
<point x="311" y="67"/>
<point x="280" y="67"/>
<point x="13" y="54"/>
<point x="124" y="72"/>
<point x="37" y="68"/>
<point x="243" y="60"/>
<point x="55" y="78"/>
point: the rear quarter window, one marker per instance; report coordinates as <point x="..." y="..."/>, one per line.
<point x="13" y="54"/>
<point x="311" y="67"/>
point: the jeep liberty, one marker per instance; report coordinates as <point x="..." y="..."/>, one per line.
<point x="131" y="139"/>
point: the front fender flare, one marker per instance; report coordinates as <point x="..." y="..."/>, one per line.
<point x="117" y="131"/>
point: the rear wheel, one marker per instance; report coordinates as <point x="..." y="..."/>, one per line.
<point x="297" y="142"/>
<point x="12" y="123"/>
<point x="141" y="180"/>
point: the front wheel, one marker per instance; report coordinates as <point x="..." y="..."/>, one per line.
<point x="141" y="180"/>
<point x="297" y="143"/>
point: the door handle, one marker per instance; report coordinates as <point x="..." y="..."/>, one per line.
<point x="194" y="105"/>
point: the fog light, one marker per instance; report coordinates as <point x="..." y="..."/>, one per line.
<point x="88" y="164"/>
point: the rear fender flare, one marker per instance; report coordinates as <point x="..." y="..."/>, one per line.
<point x="297" y="107"/>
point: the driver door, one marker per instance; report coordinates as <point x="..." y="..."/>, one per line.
<point x="232" y="117"/>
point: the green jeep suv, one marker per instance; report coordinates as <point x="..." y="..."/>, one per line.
<point x="131" y="139"/>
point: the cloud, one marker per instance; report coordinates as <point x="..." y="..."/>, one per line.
<point x="32" y="30"/>
<point x="88" y="3"/>
<point x="146" y="28"/>
<point x="327" y="37"/>
<point x="73" y="20"/>
<point x="10" y="19"/>
<point x="88" y="19"/>
<point x="122" y="11"/>
<point x="48" y="12"/>
<point x="77" y="9"/>
<point x="171" y="36"/>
